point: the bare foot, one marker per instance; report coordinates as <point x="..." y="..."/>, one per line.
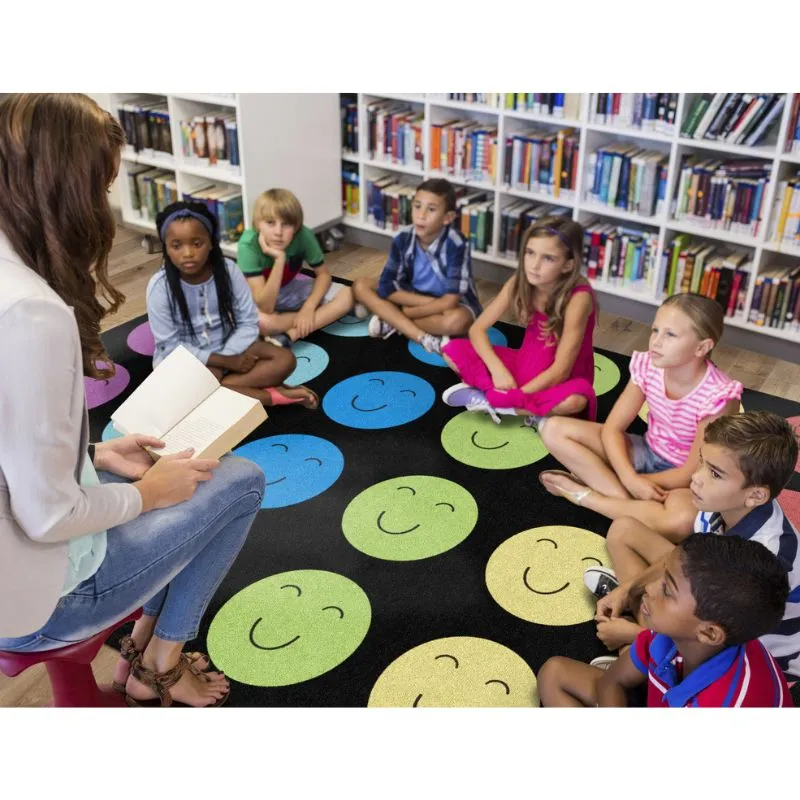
<point x="203" y="689"/>
<point x="309" y="398"/>
<point x="563" y="486"/>
<point x="617" y="631"/>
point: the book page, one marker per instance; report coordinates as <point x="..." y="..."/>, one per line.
<point x="177" y="385"/>
<point x="201" y="427"/>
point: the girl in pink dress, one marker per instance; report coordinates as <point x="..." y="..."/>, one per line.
<point x="553" y="371"/>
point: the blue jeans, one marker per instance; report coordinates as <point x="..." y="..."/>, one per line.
<point x="169" y="560"/>
<point x="645" y="461"/>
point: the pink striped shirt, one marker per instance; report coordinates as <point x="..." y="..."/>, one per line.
<point x="672" y="424"/>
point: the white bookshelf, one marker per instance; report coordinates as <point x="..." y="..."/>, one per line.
<point x="592" y="135"/>
<point x="285" y="140"/>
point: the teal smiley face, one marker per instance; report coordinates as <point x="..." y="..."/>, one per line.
<point x="409" y="518"/>
<point x="289" y="628"/>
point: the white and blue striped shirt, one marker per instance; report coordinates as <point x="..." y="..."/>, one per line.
<point x="768" y="525"/>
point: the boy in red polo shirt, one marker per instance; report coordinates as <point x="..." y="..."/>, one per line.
<point x="704" y="615"/>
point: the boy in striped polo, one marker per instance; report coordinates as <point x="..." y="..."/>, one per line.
<point x="715" y="596"/>
<point x="745" y="462"/>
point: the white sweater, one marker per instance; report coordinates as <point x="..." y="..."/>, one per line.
<point x="43" y="439"/>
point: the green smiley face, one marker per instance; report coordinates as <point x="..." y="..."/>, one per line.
<point x="409" y="518"/>
<point x="606" y="374"/>
<point x="289" y="628"/>
<point x="476" y="440"/>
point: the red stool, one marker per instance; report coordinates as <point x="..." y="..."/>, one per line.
<point x="70" y="670"/>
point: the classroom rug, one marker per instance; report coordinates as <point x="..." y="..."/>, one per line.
<point x="405" y="553"/>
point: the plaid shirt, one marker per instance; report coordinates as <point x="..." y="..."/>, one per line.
<point x="450" y="260"/>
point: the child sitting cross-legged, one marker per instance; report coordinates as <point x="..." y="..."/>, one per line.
<point x="704" y="611"/>
<point x="426" y="290"/>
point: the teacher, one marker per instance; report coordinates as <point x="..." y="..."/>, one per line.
<point x="90" y="533"/>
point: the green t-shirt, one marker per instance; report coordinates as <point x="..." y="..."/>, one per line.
<point x="303" y="247"/>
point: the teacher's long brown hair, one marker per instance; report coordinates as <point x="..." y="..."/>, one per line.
<point x="59" y="154"/>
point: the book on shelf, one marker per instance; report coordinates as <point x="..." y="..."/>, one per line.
<point x="776" y="299"/>
<point x="212" y="140"/>
<point x="792" y="142"/>
<point x="517" y="217"/>
<point x="785" y="216"/>
<point x="545" y="161"/>
<point x="711" y="269"/>
<point x="645" y="111"/>
<point x="464" y="149"/>
<point x="628" y="177"/>
<point x="389" y="202"/>
<point x="733" y="118"/>
<point x="146" y="125"/>
<point x="721" y="193"/>
<point x="350" y="190"/>
<point x="394" y="133"/>
<point x="475" y="218"/>
<point x="225" y="203"/>
<point x="563" y="105"/>
<point x="184" y="405"/>
<point x="349" y="117"/>
<point x="492" y="100"/>
<point x="150" y="190"/>
<point x="620" y="255"/>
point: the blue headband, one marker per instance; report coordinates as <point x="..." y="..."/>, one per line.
<point x="555" y="232"/>
<point x="185" y="212"/>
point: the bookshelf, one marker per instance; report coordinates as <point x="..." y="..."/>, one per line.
<point x="592" y="134"/>
<point x="279" y="145"/>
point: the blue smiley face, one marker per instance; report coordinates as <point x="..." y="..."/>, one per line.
<point x="348" y="326"/>
<point x="378" y="400"/>
<point x="312" y="361"/>
<point x="297" y="467"/>
<point x="496" y="337"/>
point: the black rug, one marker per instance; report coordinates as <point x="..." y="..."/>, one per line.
<point x="412" y="602"/>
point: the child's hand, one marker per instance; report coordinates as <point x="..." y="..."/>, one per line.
<point x="613" y="604"/>
<point x="304" y="321"/>
<point x="616" y="632"/>
<point x="643" y="489"/>
<point x="502" y="379"/>
<point x="242" y="363"/>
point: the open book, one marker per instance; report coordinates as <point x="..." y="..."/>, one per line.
<point x="183" y="404"/>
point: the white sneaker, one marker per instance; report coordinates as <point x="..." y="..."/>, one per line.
<point x="378" y="329"/>
<point x="600" y="581"/>
<point x="603" y="662"/>
<point x="360" y="311"/>
<point x="433" y="344"/>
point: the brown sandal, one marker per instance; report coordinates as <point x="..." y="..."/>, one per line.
<point x="162" y="682"/>
<point x="128" y="650"/>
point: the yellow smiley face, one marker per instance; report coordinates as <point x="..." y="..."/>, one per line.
<point x="456" y="672"/>
<point x="537" y="575"/>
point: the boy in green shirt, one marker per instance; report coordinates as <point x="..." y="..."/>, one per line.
<point x="289" y="308"/>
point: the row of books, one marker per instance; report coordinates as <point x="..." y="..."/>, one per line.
<point x="351" y="202"/>
<point x="733" y="118"/>
<point x="150" y="190"/>
<point x="464" y="149"/>
<point x="785" y="217"/>
<point x="389" y="202"/>
<point x="646" y="111"/>
<point x="394" y="133"/>
<point x="542" y="161"/>
<point x="776" y="299"/>
<point x="721" y="193"/>
<point x="792" y="143"/>
<point x="225" y="203"/>
<point x="559" y="105"/>
<point x="628" y="177"/>
<point x="710" y="269"/>
<point x="491" y="99"/>
<point x="349" y="116"/>
<point x="517" y="217"/>
<point x="212" y="140"/>
<point x="146" y="126"/>
<point x="476" y="220"/>
<point x="619" y="255"/>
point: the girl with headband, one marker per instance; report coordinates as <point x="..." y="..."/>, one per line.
<point x="553" y="371"/>
<point x="200" y="299"/>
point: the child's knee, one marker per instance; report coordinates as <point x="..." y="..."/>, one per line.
<point x="361" y="288"/>
<point x="621" y="532"/>
<point x="553" y="431"/>
<point x="550" y="675"/>
<point x="458" y="323"/>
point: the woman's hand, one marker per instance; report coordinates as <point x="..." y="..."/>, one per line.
<point x="173" y="479"/>
<point x="126" y="456"/>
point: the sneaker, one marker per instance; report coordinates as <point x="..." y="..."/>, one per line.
<point x="279" y="340"/>
<point x="600" y="581"/>
<point x="603" y="662"/>
<point x="360" y="311"/>
<point x="532" y="421"/>
<point x="378" y="329"/>
<point x="433" y="344"/>
<point x="461" y="395"/>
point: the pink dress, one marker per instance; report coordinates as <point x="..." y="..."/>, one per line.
<point x="535" y="356"/>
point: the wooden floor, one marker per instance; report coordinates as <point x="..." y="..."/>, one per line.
<point x="131" y="267"/>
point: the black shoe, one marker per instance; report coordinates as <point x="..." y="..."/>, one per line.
<point x="600" y="581"/>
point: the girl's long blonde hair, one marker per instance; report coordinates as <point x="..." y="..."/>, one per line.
<point x="570" y="236"/>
